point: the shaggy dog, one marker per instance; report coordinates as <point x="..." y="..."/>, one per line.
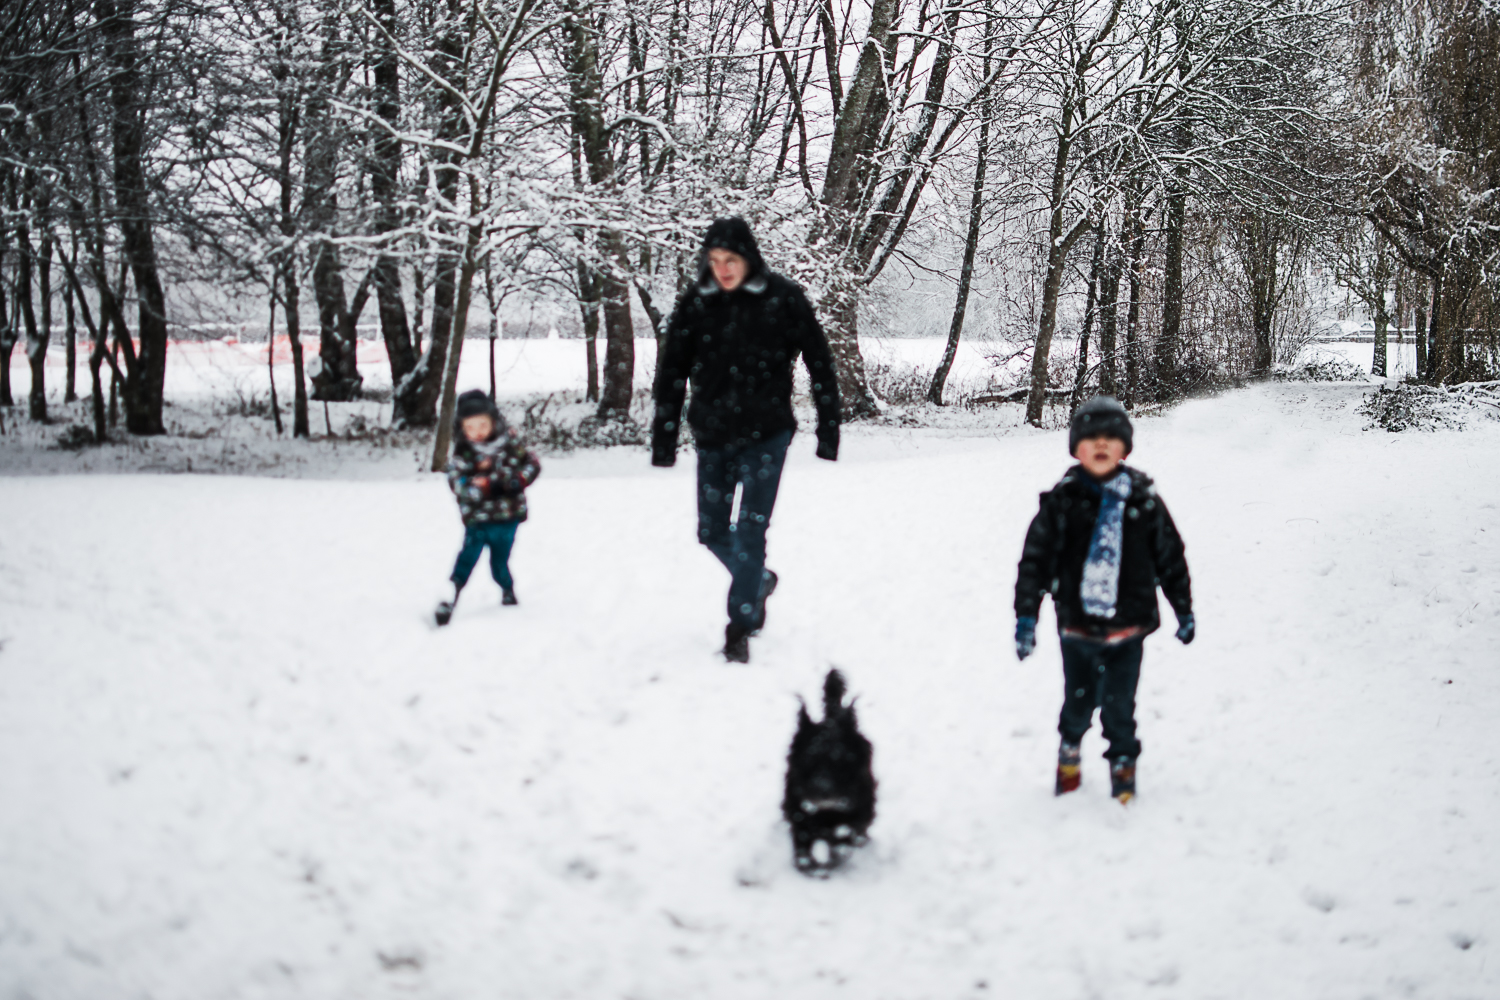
<point x="830" y="789"/>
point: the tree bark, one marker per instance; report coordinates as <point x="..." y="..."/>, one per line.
<point x="7" y="315"/>
<point x="384" y="170"/>
<point x="1059" y="243"/>
<point x="1090" y="307"/>
<point x="70" y="341"/>
<point x="337" y="379"/>
<point x="289" y="110"/>
<point x="588" y="305"/>
<point x="971" y="239"/>
<point x="146" y="379"/>
<point x="36" y="346"/>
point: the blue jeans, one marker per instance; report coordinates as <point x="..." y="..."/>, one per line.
<point x="1101" y="676"/>
<point x="499" y="536"/>
<point x="741" y="546"/>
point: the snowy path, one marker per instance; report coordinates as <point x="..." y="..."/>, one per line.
<point x="236" y="762"/>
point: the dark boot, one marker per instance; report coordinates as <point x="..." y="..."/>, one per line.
<point x="444" y="613"/>
<point x="771" y="580"/>
<point x="508" y="596"/>
<point x="736" y="643"/>
<point x="1122" y="779"/>
<point x="1069" y="768"/>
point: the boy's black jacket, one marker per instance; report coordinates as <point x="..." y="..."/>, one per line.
<point x="1057" y="544"/>
<point x="737" y="349"/>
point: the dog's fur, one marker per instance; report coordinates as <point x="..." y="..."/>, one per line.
<point x="830" y="789"/>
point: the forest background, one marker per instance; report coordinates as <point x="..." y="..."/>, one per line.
<point x="1142" y="197"/>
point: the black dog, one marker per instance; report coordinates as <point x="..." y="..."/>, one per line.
<point x="830" y="789"/>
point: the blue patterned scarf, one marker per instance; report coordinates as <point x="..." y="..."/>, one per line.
<point x="1101" y="571"/>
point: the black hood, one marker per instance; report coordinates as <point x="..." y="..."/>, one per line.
<point x="732" y="234"/>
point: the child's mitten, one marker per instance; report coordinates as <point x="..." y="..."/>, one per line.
<point x="1025" y="636"/>
<point x="1187" y="627"/>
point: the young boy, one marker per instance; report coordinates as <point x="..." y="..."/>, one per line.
<point x="488" y="473"/>
<point x="1100" y="545"/>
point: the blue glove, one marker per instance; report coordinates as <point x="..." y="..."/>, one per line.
<point x="1025" y="636"/>
<point x="1187" y="627"/>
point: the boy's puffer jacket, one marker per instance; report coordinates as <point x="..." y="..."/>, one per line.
<point x="1057" y="544"/>
<point x="490" y="479"/>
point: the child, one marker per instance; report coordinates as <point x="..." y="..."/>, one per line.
<point x="488" y="473"/>
<point x="1100" y="545"/>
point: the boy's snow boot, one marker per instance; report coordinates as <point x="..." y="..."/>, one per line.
<point x="1069" y="768"/>
<point x="736" y="643"/>
<point x="1122" y="779"/>
<point x="770" y="585"/>
<point x="508" y="596"/>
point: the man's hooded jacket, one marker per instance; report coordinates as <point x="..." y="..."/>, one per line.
<point x="736" y="349"/>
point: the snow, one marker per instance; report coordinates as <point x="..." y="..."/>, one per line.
<point x="236" y="760"/>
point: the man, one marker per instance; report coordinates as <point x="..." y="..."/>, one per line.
<point x="735" y="335"/>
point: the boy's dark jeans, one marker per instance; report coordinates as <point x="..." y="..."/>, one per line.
<point x="740" y="546"/>
<point x="1101" y="676"/>
<point x="499" y="536"/>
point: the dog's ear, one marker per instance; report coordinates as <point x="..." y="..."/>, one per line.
<point x="833" y="693"/>
<point x="804" y="721"/>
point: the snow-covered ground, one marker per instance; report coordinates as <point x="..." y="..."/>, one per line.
<point x="236" y="760"/>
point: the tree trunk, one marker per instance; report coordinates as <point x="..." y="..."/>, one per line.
<point x="856" y="133"/>
<point x="7" y="324"/>
<point x="70" y="343"/>
<point x="1382" y="315"/>
<point x="1169" y="343"/>
<point x="146" y="380"/>
<point x="443" y="439"/>
<point x="36" y="347"/>
<point x="1058" y="245"/>
<point x="337" y="379"/>
<point x="588" y="305"/>
<point x="385" y="167"/>
<point x="25" y="275"/>
<point x="1090" y="306"/>
<point x="1419" y="336"/>
<point x="271" y="359"/>
<point x="971" y="238"/>
<point x="1259" y="262"/>
<point x="619" y="337"/>
<point x="289" y="112"/>
<point x="1109" y="318"/>
<point x="966" y="271"/>
<point x="1133" y="311"/>
<point x="416" y="396"/>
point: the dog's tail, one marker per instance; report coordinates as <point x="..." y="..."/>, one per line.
<point x="833" y="693"/>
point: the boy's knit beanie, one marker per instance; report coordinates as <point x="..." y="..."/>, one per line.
<point x="474" y="403"/>
<point x="1102" y="415"/>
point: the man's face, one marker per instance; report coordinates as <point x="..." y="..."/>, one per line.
<point x="1100" y="456"/>
<point x="478" y="428"/>
<point x="729" y="268"/>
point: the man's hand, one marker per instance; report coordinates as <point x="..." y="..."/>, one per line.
<point x="1187" y="627"/>
<point x="1025" y="636"/>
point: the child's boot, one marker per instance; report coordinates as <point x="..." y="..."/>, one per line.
<point x="1122" y="779"/>
<point x="444" y="613"/>
<point x="736" y="643"/>
<point x="508" y="596"/>
<point x="1069" y="768"/>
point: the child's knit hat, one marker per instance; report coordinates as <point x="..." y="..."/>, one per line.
<point x="474" y="403"/>
<point x="1100" y="416"/>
